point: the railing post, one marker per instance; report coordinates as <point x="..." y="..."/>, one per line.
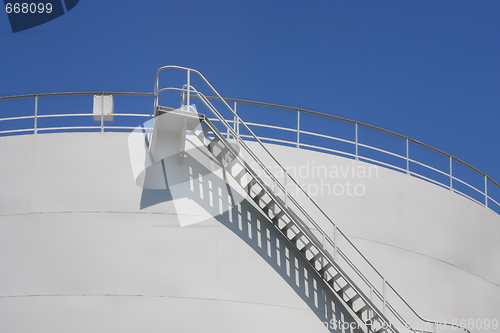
<point x="155" y="102"/>
<point x="335" y="243"/>
<point x="286" y="189"/>
<point x="383" y="296"/>
<point x="235" y="117"/>
<point x="238" y="126"/>
<point x="189" y="87"/>
<point x="407" y="156"/>
<point x="298" y="129"/>
<point x="451" y="172"/>
<point x="35" y="120"/>
<point x="486" y="190"/>
<point x="356" y="139"/>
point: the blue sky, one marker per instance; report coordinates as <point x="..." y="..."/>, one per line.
<point x="429" y="70"/>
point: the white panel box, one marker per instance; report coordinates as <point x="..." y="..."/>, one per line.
<point x="103" y="105"/>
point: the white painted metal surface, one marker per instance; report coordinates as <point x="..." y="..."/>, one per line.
<point x="86" y="248"/>
<point x="399" y="218"/>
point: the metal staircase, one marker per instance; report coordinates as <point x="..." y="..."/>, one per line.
<point x="358" y="285"/>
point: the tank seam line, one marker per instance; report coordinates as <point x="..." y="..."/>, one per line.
<point x="425" y="255"/>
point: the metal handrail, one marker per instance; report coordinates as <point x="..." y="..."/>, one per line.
<point x="449" y="156"/>
<point x="187" y="94"/>
<point x="78" y="93"/>
<point x="278" y="106"/>
<point x="236" y="100"/>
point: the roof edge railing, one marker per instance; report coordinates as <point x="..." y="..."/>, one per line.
<point x="484" y="193"/>
<point x="316" y="113"/>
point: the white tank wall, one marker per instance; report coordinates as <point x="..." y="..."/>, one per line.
<point x="77" y="252"/>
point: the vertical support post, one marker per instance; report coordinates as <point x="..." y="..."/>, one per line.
<point x="451" y="172"/>
<point x="407" y="156"/>
<point x="238" y="127"/>
<point x="35" y="120"/>
<point x="356" y="139"/>
<point x="298" y="129"/>
<point x="486" y="190"/>
<point x="335" y="243"/>
<point x="156" y="94"/>
<point x="383" y="296"/>
<point x="370" y="314"/>
<point x="235" y="117"/>
<point x="189" y="87"/>
<point x="286" y="189"/>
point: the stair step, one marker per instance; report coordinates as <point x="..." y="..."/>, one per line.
<point x="316" y="257"/>
<point x="259" y="195"/>
<point x="240" y="175"/>
<point x="250" y="185"/>
<point x="353" y="299"/>
<point x="269" y="205"/>
<point x="334" y="278"/>
<point x="297" y="236"/>
<point x="288" y="226"/>
<point x="212" y="143"/>
<point x="364" y="308"/>
<point x="341" y="291"/>
<point x="307" y="247"/>
<point x="277" y="217"/>
<point x="325" y="268"/>
<point x="231" y="163"/>
<point x="222" y="154"/>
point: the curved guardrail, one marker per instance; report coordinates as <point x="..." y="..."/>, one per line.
<point x="39" y="118"/>
<point x="451" y="172"/>
<point x="400" y="153"/>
